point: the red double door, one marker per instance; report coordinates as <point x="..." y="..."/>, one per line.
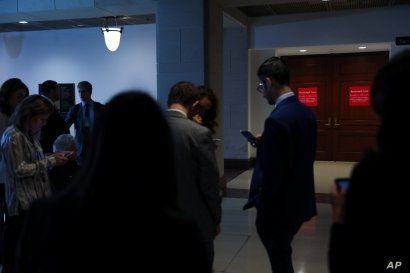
<point x="337" y="88"/>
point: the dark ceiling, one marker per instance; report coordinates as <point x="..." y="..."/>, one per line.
<point x="317" y="6"/>
<point x="78" y="23"/>
<point x="281" y="8"/>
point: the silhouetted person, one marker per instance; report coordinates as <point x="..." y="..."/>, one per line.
<point x="62" y="176"/>
<point x="119" y="214"/>
<point x="12" y="92"/>
<point x="195" y="163"/>
<point x="83" y="116"/>
<point x="56" y="124"/>
<point x="24" y="166"/>
<point x="282" y="186"/>
<point x="371" y="228"/>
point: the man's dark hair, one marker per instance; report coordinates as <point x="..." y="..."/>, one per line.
<point x="276" y="69"/>
<point x="86" y="86"/>
<point x="47" y="87"/>
<point x="185" y="93"/>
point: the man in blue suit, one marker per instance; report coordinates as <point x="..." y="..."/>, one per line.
<point x="83" y="116"/>
<point x="282" y="186"/>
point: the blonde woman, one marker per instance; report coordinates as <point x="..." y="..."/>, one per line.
<point x="25" y="168"/>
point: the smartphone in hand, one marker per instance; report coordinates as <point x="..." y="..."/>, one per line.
<point x="250" y="137"/>
<point x="342" y="184"/>
<point x="67" y="154"/>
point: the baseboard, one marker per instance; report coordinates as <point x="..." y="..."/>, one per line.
<point x="242" y="164"/>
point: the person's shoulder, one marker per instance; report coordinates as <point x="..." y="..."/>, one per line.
<point x="370" y="168"/>
<point x="75" y="107"/>
<point x="98" y="104"/>
<point x="12" y="133"/>
<point x="369" y="161"/>
<point x="293" y="110"/>
<point x="198" y="129"/>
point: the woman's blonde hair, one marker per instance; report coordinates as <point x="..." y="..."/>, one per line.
<point x="31" y="106"/>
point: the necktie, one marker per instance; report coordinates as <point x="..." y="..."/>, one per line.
<point x="87" y="110"/>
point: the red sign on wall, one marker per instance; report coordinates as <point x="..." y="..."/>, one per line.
<point x="359" y="96"/>
<point x="308" y="95"/>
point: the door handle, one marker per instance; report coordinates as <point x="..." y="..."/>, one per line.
<point x="329" y="122"/>
<point x="335" y="124"/>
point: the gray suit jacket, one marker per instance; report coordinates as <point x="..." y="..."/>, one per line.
<point x="197" y="173"/>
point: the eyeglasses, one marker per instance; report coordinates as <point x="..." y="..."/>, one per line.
<point x="260" y="88"/>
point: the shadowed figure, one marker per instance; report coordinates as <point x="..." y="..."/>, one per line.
<point x="119" y="214"/>
<point x="370" y="231"/>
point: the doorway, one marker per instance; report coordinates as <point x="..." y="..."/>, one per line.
<point x="337" y="88"/>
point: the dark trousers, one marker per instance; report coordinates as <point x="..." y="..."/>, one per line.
<point x="277" y="238"/>
<point x="12" y="232"/>
<point x="209" y="250"/>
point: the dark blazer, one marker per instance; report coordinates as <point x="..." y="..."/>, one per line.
<point x="197" y="173"/>
<point x="54" y="127"/>
<point x="75" y="115"/>
<point x="282" y="183"/>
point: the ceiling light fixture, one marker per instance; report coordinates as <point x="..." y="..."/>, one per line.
<point x="302" y="50"/>
<point x="112" y="35"/>
<point x="23" y="22"/>
<point x="362" y="47"/>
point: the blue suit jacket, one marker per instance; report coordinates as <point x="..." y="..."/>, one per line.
<point x="75" y="115"/>
<point x="282" y="183"/>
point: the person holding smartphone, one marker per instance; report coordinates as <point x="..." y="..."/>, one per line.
<point x="282" y="186"/>
<point x="24" y="168"/>
<point x="370" y="231"/>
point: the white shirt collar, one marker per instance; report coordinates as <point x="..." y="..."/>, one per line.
<point x="283" y="97"/>
<point x="177" y="110"/>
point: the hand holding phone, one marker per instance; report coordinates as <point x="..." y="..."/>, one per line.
<point x="250" y="137"/>
<point x="342" y="184"/>
<point x="339" y="198"/>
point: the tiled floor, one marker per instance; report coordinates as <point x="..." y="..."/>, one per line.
<point x="239" y="250"/>
<point x="325" y="173"/>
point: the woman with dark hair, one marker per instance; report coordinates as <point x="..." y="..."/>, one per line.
<point x="119" y="214"/>
<point x="12" y="92"/>
<point x="370" y="231"/>
<point x="207" y="109"/>
<point x="24" y="167"/>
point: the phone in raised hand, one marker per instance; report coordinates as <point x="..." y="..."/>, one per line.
<point x="342" y="184"/>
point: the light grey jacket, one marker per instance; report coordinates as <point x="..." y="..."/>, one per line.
<point x="197" y="173"/>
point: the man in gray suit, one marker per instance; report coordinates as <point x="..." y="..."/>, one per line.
<point x="195" y="164"/>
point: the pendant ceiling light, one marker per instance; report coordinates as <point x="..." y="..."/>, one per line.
<point x="112" y="35"/>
